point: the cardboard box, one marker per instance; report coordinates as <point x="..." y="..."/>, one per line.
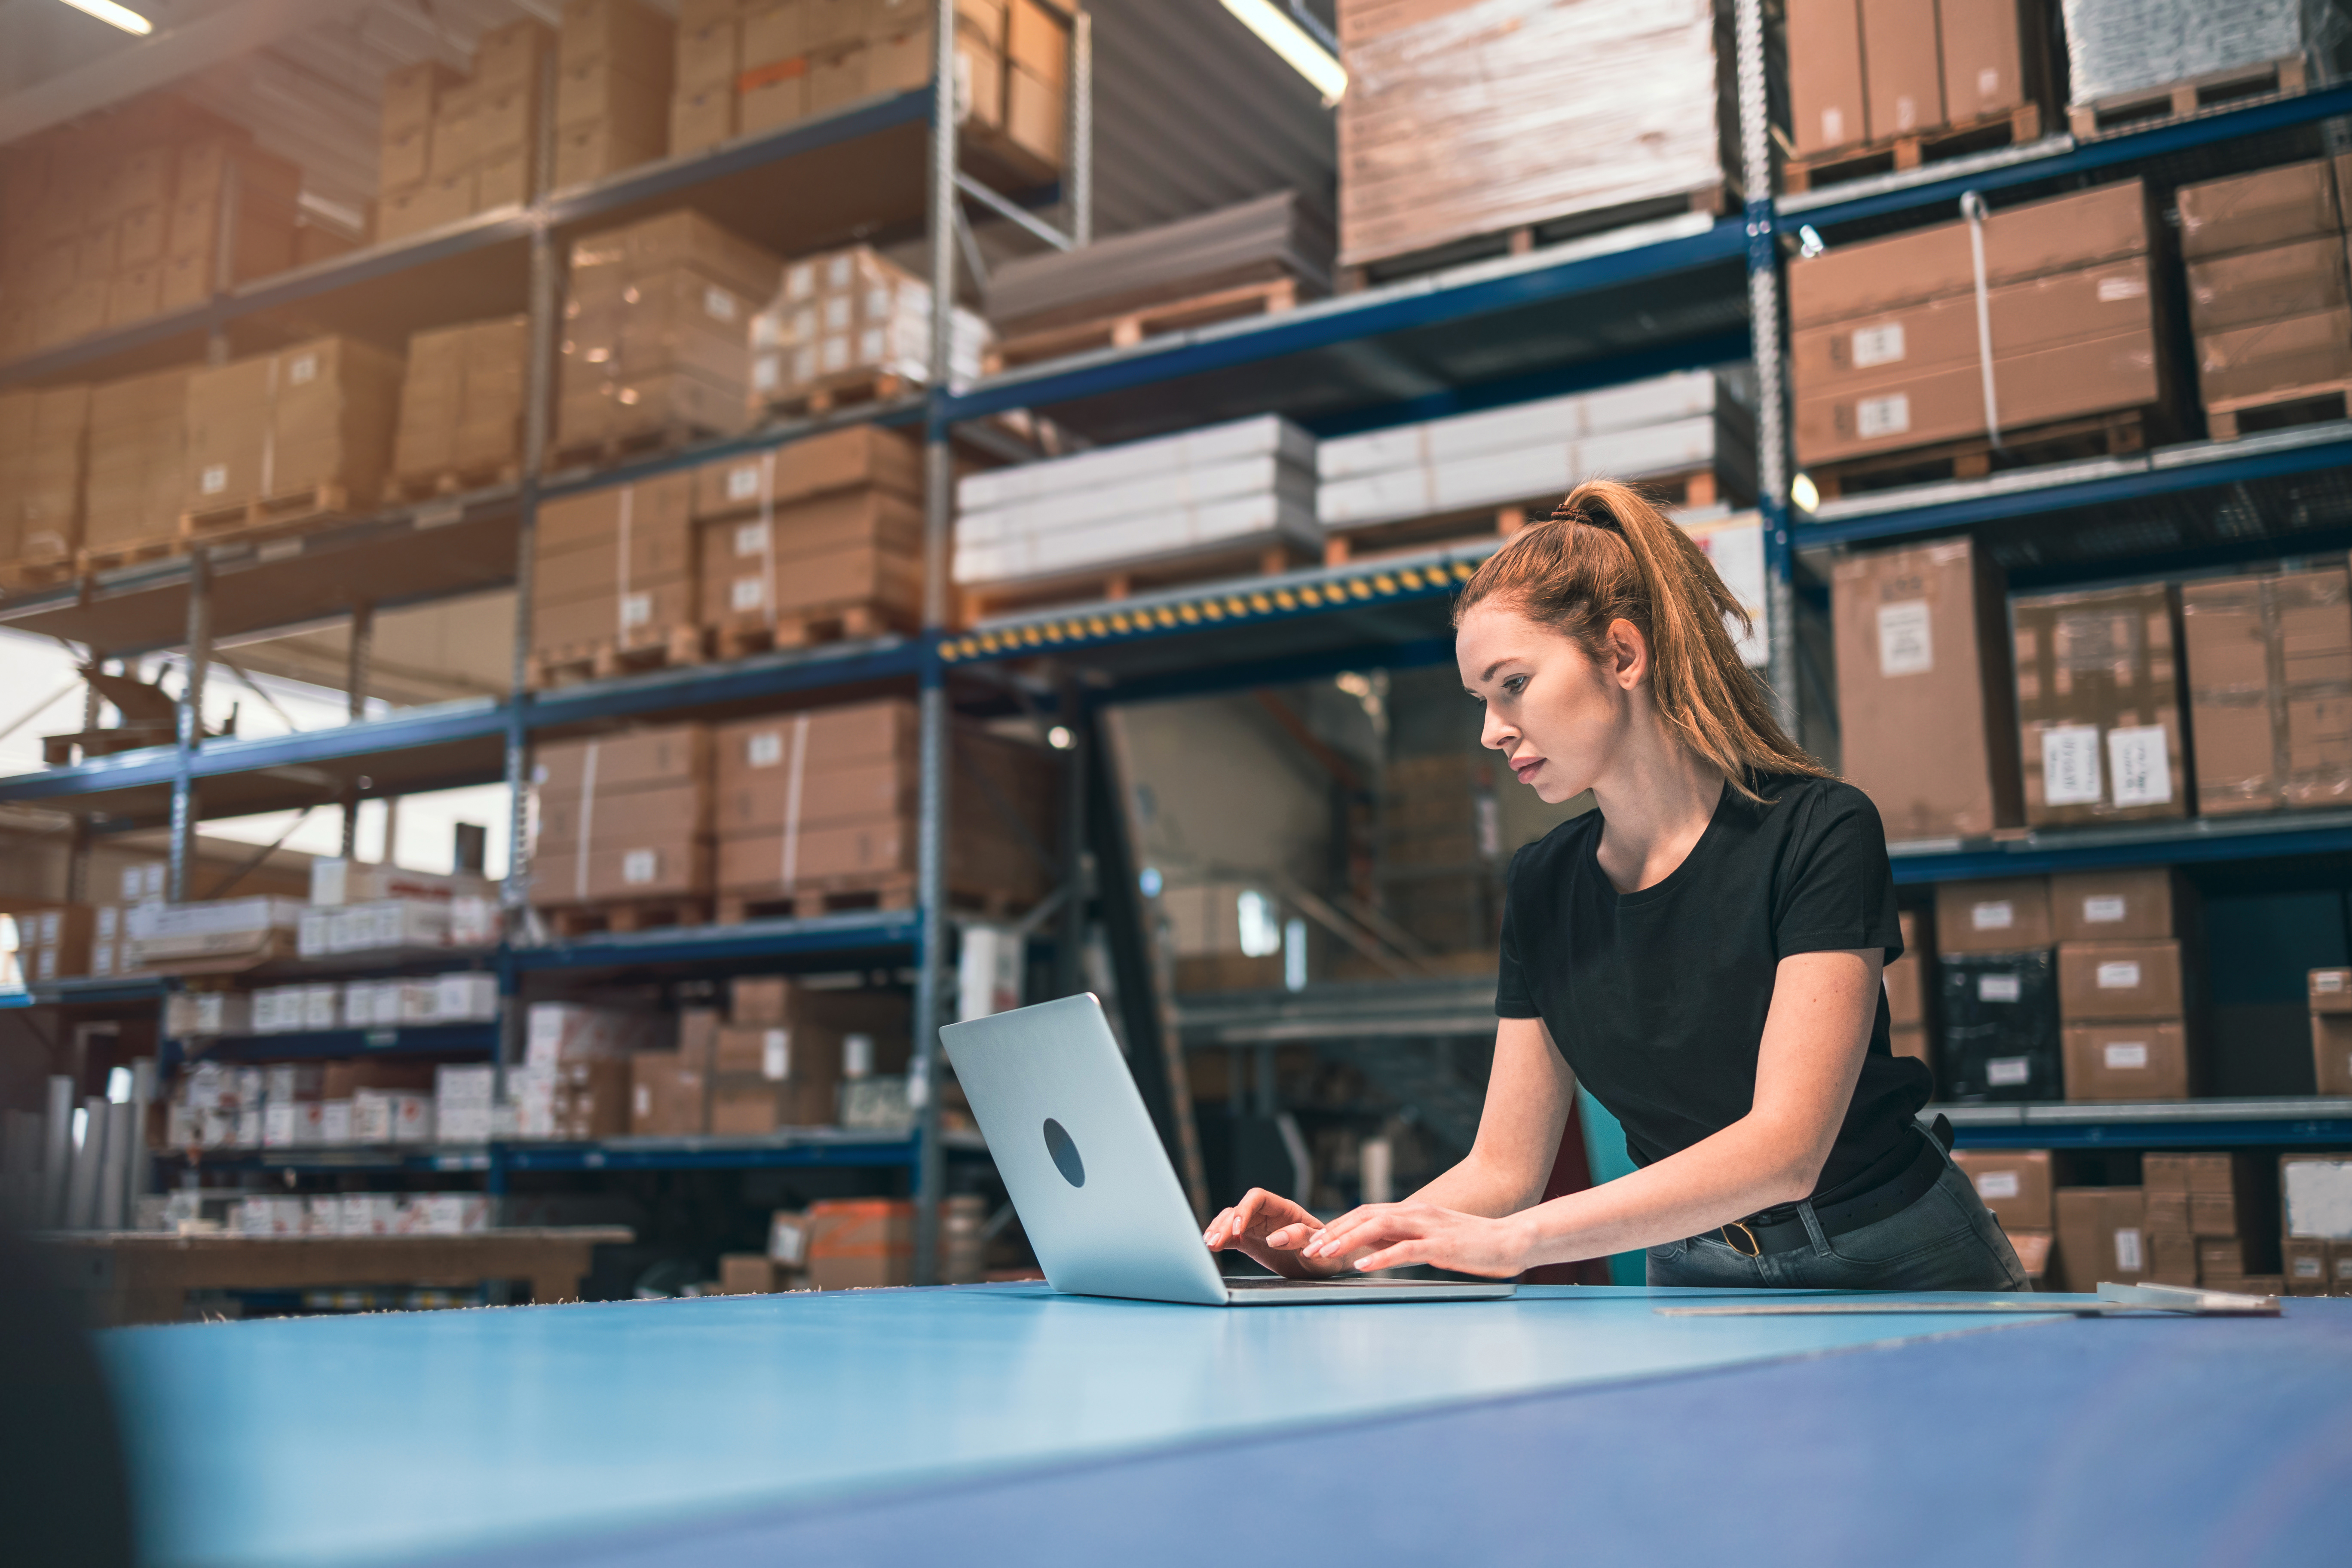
<point x="2331" y="1052"/>
<point x="2139" y="905"/>
<point x="2032" y="1248"/>
<point x="773" y="95"/>
<point x="319" y="414"/>
<point x="613" y="258"/>
<point x="2299" y="278"/>
<point x="511" y="54"/>
<point x="2306" y="1266"/>
<point x="2117" y="980"/>
<point x="590" y="151"/>
<point x="1903" y="72"/>
<point x="1999" y="1029"/>
<point x="856" y="458"/>
<point x="668" y="1097"/>
<point x="774" y="32"/>
<point x="709" y="54"/>
<point x="1036" y="114"/>
<point x="2330" y="990"/>
<point x="2007" y="914"/>
<point x="2101" y="1238"/>
<point x="748" y="1273"/>
<point x="2250" y="212"/>
<point x="752" y="1105"/>
<point x="859" y="549"/>
<point x="2146" y="1061"/>
<point x="2015" y="1183"/>
<point x="461" y="401"/>
<point x="2098" y="699"/>
<point x="2251" y="362"/>
<point x="625" y="30"/>
<point x="701" y="118"/>
<point x="2172" y="1257"/>
<point x="1984" y="57"/>
<point x="636" y="759"/>
<point x="2315" y="1195"/>
<point x="1924" y="692"/>
<point x="861" y="1242"/>
<point x="412" y="92"/>
<point x="1825" y="83"/>
<point x="2339" y="1269"/>
<point x="1906" y="1001"/>
<point x="2270" y="690"/>
<point x="1037" y="42"/>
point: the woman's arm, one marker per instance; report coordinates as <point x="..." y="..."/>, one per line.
<point x="1528" y="1095"/>
<point x="1823" y="1005"/>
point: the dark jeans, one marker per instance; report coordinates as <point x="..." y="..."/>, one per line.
<point x="1948" y="1240"/>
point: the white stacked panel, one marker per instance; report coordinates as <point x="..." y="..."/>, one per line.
<point x="1230" y="486"/>
<point x="2116" y="46"/>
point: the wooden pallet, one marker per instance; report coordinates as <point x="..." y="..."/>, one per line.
<point x="22" y="574"/>
<point x="659" y="648"/>
<point x="2096" y="436"/>
<point x="2278" y="410"/>
<point x="605" y="451"/>
<point x="1522" y="239"/>
<point x="1675" y="492"/>
<point x="849" y="390"/>
<point x="2178" y="101"/>
<point x="454" y="482"/>
<point x="93" y="558"/>
<point x="263" y="515"/>
<point x="1121" y="583"/>
<point x="1131" y="327"/>
<point x="807" y="626"/>
<point x="1913" y="149"/>
<point x="850" y="893"/>
<point x="619" y="915"/>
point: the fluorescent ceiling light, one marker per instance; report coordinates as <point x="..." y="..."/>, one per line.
<point x="121" y="16"/>
<point x="1299" y="51"/>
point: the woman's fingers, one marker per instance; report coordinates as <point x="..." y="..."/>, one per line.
<point x="1219" y="1229"/>
<point x="1348" y="1231"/>
<point x="1288" y="1236"/>
<point x="1394" y="1257"/>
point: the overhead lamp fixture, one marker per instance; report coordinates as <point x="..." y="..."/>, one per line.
<point x="1298" y="48"/>
<point x="114" y="16"/>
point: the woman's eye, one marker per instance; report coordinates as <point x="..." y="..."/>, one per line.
<point x="1515" y="685"/>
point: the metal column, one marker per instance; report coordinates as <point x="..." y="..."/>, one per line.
<point x="191" y="729"/>
<point x="355" y="684"/>
<point x="1764" y="326"/>
<point x="1078" y="173"/>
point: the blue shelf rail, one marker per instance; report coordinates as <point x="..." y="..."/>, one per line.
<point x="2283" y="1123"/>
<point x="796" y="1148"/>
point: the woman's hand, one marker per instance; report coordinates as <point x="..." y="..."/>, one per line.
<point x="1388" y="1235"/>
<point x="1272" y="1231"/>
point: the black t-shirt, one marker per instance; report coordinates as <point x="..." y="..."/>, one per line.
<point x="1657" y="999"/>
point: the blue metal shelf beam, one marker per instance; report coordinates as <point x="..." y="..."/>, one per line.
<point x="749" y="942"/>
<point x="2194" y="841"/>
<point x="2222" y="1134"/>
<point x="806" y="1148"/>
<point x="407" y="1039"/>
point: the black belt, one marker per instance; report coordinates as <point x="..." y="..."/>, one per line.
<point x="1783" y="1229"/>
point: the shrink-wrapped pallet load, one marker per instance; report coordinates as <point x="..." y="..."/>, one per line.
<point x="2098" y="705"/>
<point x="2118" y="48"/>
<point x="622" y="818"/>
<point x="613" y="573"/>
<point x="309" y="428"/>
<point x="851" y="320"/>
<point x="1465" y="120"/>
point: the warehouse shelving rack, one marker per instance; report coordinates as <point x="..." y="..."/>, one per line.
<point x="1684" y="293"/>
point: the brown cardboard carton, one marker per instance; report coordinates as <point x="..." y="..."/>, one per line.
<point x="2120" y="980"/>
<point x="701" y="118"/>
<point x="597" y="148"/>
<point x="698" y="1036"/>
<point x="511" y="54"/>
<point x="831" y="23"/>
<point x="412" y="91"/>
<point x="2032" y="1248"/>
<point x="2101" y="1236"/>
<point x="2251" y="362"/>
<point x="404" y="158"/>
<point x="772" y="1000"/>
<point x="860" y="548"/>
<point x="2009" y="914"/>
<point x="2299" y="278"/>
<point x="776" y="32"/>
<point x="2013" y="1183"/>
<point x="1983" y="57"/>
<point x="647" y="509"/>
<point x="860" y="1243"/>
<point x="638" y="868"/>
<point x="503" y="180"/>
<point x="666" y="814"/>
<point x="1904" y="75"/>
<point x="1906" y="1004"/>
<point x="2168" y="1211"/>
<point x="2248" y="212"/>
<point x="836" y="78"/>
<point x="681" y="239"/>
<point x="639" y="759"/>
<point x="1825" y="86"/>
<point x="316" y="415"/>
<point x="749" y="1274"/>
<point x="625" y="31"/>
<point x="2330" y="990"/>
<point x="650" y="614"/>
<point x="709" y="55"/>
<point x="773" y="95"/>
<point x="606" y="92"/>
<point x="1034" y="113"/>
<point x="2339" y="1269"/>
<point x="2034" y="386"/>
<point x="440" y="201"/>
<point x="2098" y="697"/>
<point x="668" y="1096"/>
<point x="2306" y="1266"/>
<point x="855" y="459"/>
<point x="2172" y="1257"/>
<point x="2147" y="1060"/>
<point x="751" y="1106"/>
<point x="1923" y="691"/>
<point x="2331" y="1052"/>
<point x="2221" y="1257"/>
<point x="2270" y="677"/>
<point x="1037" y="42"/>
<point x="2143" y="904"/>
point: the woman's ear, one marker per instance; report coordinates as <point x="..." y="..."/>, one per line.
<point x="1628" y="654"/>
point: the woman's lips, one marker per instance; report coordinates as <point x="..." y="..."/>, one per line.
<point x="1526" y="768"/>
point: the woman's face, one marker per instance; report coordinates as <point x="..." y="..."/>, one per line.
<point x="1556" y="713"/>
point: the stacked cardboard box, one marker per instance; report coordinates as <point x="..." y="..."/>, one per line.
<point x="138" y="458"/>
<point x="611" y="88"/>
<point x="1907" y="987"/>
<point x="830" y="523"/>
<point x="2331" y="1029"/>
<point x="258" y="193"/>
<point x="614" y="568"/>
<point x="43" y="435"/>
<point x="1689" y="422"/>
<point x="623" y="817"/>
<point x="858" y="1244"/>
<point x="1886" y="342"/>
<point x="53" y="943"/>
<point x="2015" y="1183"/>
<point x="2268" y="295"/>
<point x="1249" y="485"/>
<point x="2101" y="1238"/>
<point x="2315" y="1223"/>
<point x="1924" y="700"/>
<point x="1442" y="854"/>
<point x="316" y="417"/>
<point x="1870" y="71"/>
<point x="2270" y="689"/>
<point x="1997" y="989"/>
<point x="709" y="55"/>
<point x="656" y="329"/>
<point x="669" y="1092"/>
<point x="2125" y="992"/>
<point x="788" y="1048"/>
<point x="461" y="402"/>
<point x="825" y="800"/>
<point x="481" y="140"/>
<point x="2207" y="1220"/>
<point x="2098" y="705"/>
<point x="851" y="317"/>
<point x="1427" y="159"/>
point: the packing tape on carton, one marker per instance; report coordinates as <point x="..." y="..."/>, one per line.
<point x="793" y="776"/>
<point x="1972" y="208"/>
<point x="587" y="817"/>
<point x="621" y="569"/>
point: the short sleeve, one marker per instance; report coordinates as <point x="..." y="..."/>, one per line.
<point x="1513" y="997"/>
<point x="1836" y="890"/>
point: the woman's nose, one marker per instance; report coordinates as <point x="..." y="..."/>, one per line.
<point x="1496" y="736"/>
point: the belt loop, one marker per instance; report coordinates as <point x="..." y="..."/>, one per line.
<point x="1813" y="1227"/>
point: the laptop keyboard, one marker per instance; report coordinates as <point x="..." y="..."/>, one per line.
<point x="1343" y="1281"/>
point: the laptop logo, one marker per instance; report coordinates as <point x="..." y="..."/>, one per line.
<point x="1066" y="1153"/>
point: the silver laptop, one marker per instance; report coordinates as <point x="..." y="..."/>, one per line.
<point x="1092" y="1186"/>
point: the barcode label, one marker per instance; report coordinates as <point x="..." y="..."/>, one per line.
<point x="1877" y="345"/>
<point x="2119" y="974"/>
<point x="2103" y="910"/>
<point x="2007" y="1072"/>
<point x="1906" y="643"/>
<point x="1996" y="1184"/>
<point x="764" y="750"/>
<point x="742" y="484"/>
<point x="2127" y="1249"/>
<point x="1993" y="914"/>
<point x="2126" y="1056"/>
<point x="1999" y="988"/>
<point x="2069" y="764"/>
<point x="640" y="865"/>
<point x="2137" y="757"/>
<point x="1887" y="415"/>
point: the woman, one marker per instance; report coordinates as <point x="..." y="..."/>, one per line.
<point x="1702" y="951"/>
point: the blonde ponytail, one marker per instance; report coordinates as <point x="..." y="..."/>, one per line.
<point x="1608" y="554"/>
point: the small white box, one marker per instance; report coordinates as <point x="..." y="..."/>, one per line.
<point x="335" y="1121"/>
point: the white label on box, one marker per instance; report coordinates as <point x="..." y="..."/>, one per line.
<point x="719" y="304"/>
<point x="1887" y="415"/>
<point x="637" y="609"/>
<point x="776" y="1055"/>
<point x="1877" y="345"/>
<point x="1907" y="642"/>
<point x="2306" y="1267"/>
<point x="1992" y="914"/>
<point x="2119" y="974"/>
<point x="787" y="1240"/>
<point x="1997" y="1183"/>
<point x="1988" y="82"/>
<point x="2129" y="286"/>
<point x="2143" y="769"/>
<point x="1833" y="126"/>
<point x="766" y="373"/>
<point x="747" y="593"/>
<point x="1999" y="988"/>
<point x="751" y="538"/>
<point x="2126" y="1056"/>
<point x="2004" y="1072"/>
<point x="641" y="1101"/>
<point x="856" y="1056"/>
<point x="638" y="866"/>
<point x="2328" y="980"/>
<point x="2127" y="1249"/>
<point x="837" y="314"/>
<point x="742" y="484"/>
<point x="2069" y="764"/>
<point x="764" y="750"/>
<point x="2104" y="909"/>
<point x="302" y="368"/>
<point x="213" y="479"/>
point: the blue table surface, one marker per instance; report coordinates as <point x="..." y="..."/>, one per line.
<point x="1005" y="1423"/>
